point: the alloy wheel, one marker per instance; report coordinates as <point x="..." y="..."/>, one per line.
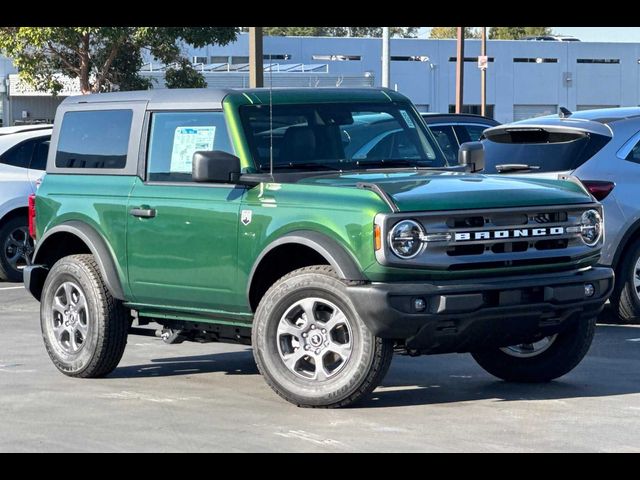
<point x="18" y="248"/>
<point x="314" y="339"/>
<point x="70" y="318"/>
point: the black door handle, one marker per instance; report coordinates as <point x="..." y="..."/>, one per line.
<point x="143" y="212"/>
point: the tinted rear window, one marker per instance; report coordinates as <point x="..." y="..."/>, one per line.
<point x="551" y="152"/>
<point x="94" y="139"/>
<point x="20" y="155"/>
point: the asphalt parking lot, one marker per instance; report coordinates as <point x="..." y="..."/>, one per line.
<point x="210" y="397"/>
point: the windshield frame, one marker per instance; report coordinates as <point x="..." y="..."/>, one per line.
<point x="424" y="135"/>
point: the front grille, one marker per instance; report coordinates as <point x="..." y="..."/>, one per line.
<point x="497" y="238"/>
<point x="501" y="222"/>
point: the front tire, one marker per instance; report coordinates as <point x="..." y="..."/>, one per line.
<point x="84" y="328"/>
<point x="310" y="344"/>
<point x="540" y="361"/>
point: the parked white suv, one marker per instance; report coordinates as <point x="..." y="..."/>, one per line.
<point x="23" y="158"/>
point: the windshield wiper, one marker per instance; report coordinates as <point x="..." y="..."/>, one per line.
<point x="515" y="167"/>
<point x="301" y="166"/>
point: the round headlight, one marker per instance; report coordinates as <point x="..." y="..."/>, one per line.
<point x="591" y="231"/>
<point x="404" y="239"/>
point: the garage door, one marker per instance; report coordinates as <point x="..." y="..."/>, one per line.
<point x="521" y="112"/>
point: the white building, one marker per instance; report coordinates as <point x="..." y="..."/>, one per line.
<point x="525" y="78"/>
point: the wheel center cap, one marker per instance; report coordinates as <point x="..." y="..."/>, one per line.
<point x="316" y="339"/>
<point x="72" y="318"/>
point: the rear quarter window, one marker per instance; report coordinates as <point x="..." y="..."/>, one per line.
<point x="19" y="155"/>
<point x="97" y="139"/>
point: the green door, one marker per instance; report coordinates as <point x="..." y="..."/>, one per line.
<point x="182" y="236"/>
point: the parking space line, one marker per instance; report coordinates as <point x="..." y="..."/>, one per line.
<point x="11" y="288"/>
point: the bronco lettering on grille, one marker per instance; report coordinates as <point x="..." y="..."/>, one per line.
<point x="513" y="233"/>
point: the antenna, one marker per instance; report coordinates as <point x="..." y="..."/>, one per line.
<point x="564" y="112"/>
<point x="270" y="117"/>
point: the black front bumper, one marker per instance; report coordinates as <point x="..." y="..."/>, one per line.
<point x="462" y="317"/>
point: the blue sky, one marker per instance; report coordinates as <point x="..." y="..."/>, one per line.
<point x="587" y="34"/>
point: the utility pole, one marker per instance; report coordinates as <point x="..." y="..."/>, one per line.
<point x="460" y="70"/>
<point x="256" y="68"/>
<point x="483" y="73"/>
<point x="385" y="57"/>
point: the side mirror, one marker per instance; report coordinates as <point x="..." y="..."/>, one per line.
<point x="215" y="166"/>
<point x="471" y="156"/>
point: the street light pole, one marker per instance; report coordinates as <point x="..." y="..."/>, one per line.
<point x="483" y="74"/>
<point x="256" y="76"/>
<point x="385" y="57"/>
<point x="460" y="70"/>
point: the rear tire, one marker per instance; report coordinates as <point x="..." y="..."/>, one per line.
<point x="310" y="344"/>
<point x="16" y="249"/>
<point x="518" y="364"/>
<point x="626" y="297"/>
<point x="84" y="328"/>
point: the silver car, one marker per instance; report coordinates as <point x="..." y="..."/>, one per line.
<point x="601" y="148"/>
<point x="23" y="157"/>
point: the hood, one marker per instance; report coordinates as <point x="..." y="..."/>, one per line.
<point x="438" y="190"/>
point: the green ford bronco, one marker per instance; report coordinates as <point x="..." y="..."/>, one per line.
<point x="322" y="226"/>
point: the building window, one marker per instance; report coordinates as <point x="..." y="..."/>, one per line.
<point x="535" y="60"/>
<point x="337" y="58"/>
<point x="470" y="59"/>
<point x="239" y="60"/>
<point x="598" y="60"/>
<point x="521" y="112"/>
<point x="277" y="56"/>
<point x="410" y="58"/>
<point x="474" y="109"/>
<point x="199" y="60"/>
<point x="219" y="59"/>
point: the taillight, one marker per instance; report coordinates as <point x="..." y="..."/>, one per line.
<point x="32" y="215"/>
<point x="598" y="188"/>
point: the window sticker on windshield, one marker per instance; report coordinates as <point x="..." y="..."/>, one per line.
<point x="407" y="119"/>
<point x="187" y="141"/>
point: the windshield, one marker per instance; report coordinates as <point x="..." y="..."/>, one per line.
<point x="338" y="136"/>
<point x="543" y="151"/>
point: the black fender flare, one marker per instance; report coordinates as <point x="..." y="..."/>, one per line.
<point x="98" y="247"/>
<point x="338" y="257"/>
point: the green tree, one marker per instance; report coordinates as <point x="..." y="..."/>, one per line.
<point x="452" y="32"/>
<point x="103" y="58"/>
<point x="516" y="33"/>
<point x="404" y="32"/>
<point x="183" y="75"/>
<point x="294" y="31"/>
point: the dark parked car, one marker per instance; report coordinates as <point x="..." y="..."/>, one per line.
<point x="453" y="129"/>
